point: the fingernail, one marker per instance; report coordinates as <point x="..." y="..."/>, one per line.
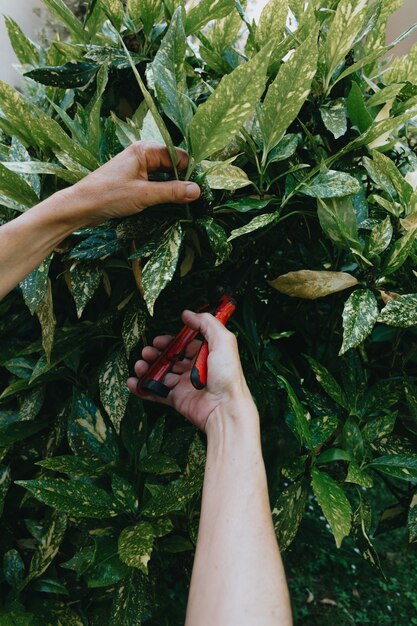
<point x="193" y="191"/>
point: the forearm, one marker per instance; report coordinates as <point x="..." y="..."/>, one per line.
<point x="27" y="240"/>
<point x="238" y="577"/>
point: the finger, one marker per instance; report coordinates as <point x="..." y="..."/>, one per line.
<point x="191" y="350"/>
<point x="150" y="354"/>
<point x="173" y="191"/>
<point x="132" y="384"/>
<point x="214" y="331"/>
<point x="141" y="367"/>
<point x="171" y="380"/>
<point x="154" y="156"/>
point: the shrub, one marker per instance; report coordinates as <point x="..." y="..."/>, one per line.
<point x="301" y="134"/>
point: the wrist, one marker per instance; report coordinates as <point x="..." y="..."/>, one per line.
<point x="236" y="418"/>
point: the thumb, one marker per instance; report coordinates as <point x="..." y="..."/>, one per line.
<point x="173" y="191"/>
<point x="212" y="330"/>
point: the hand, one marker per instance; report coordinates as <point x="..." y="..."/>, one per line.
<point x="121" y="187"/>
<point x="226" y="385"/>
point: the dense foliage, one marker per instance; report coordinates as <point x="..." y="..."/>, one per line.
<point x="302" y="136"/>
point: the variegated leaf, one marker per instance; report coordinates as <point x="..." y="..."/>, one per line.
<point x="34" y="286"/>
<point x="46" y="316"/>
<point x="223" y="175"/>
<point x="75" y="497"/>
<point x="312" y="284"/>
<point x="114" y="393"/>
<point x="129" y="600"/>
<point x="288" y="513"/>
<point x="5" y="480"/>
<point x="134" y="324"/>
<point x="331" y="184"/>
<point x="401" y="312"/>
<point x="135" y="545"/>
<point x="169" y="75"/>
<point x="398" y="465"/>
<point x="329" y="384"/>
<point x="333" y="502"/>
<point x="359" y="317"/>
<point x="288" y="92"/>
<point x="258" y="222"/>
<point x="220" y="118"/>
<point x="334" y="118"/>
<point x="272" y="21"/>
<point x="160" y="268"/>
<point x="218" y="239"/>
<point x="346" y="24"/>
<point x="88" y="434"/>
<point x="412" y="519"/>
<point x="206" y="10"/>
<point x="85" y="279"/>
<point x="49" y="545"/>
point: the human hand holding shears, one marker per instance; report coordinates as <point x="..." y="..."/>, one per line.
<point x="225" y="379"/>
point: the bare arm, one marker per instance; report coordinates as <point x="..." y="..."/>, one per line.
<point x="238" y="577"/>
<point x="118" y="189"/>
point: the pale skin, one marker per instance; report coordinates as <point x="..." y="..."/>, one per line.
<point x="238" y="577"/>
<point x="118" y="189"/>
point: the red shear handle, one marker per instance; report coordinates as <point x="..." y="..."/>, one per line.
<point x="223" y="313"/>
<point x="152" y="381"/>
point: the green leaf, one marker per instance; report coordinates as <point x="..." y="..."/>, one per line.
<point x="46" y="316"/>
<point x="26" y="51"/>
<point x="337" y="218"/>
<point x="258" y="222"/>
<point x="272" y="21"/>
<point x="160" y="268"/>
<point x="65" y="15"/>
<point x="359" y="317"/>
<point x="334" y="118"/>
<point x="288" y="92"/>
<point x="400" y="312"/>
<point x="331" y="184"/>
<point x="88" y="434"/>
<point x="205" y="11"/>
<point x="85" y="279"/>
<point x="356" y="107"/>
<point x="223" y="175"/>
<point x="33" y="168"/>
<point x="129" y="600"/>
<point x="329" y="384"/>
<point x="74" y="497"/>
<point x="13" y="568"/>
<point x="346" y="25"/>
<point x="69" y="76"/>
<point x="334" y="504"/>
<point x="136" y="544"/>
<point x="300" y="420"/>
<point x="168" y="69"/>
<point x="399" y="465"/>
<point x="134" y="324"/>
<point x="114" y="393"/>
<point x="288" y="513"/>
<point x="34" y="286"/>
<point x="15" y="187"/>
<point x="218" y="239"/>
<point x="220" y="118"/>
<point x="310" y="284"/>
<point x="49" y="544"/>
<point x="153" y="109"/>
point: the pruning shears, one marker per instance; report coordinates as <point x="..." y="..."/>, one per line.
<point x="223" y="307"/>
